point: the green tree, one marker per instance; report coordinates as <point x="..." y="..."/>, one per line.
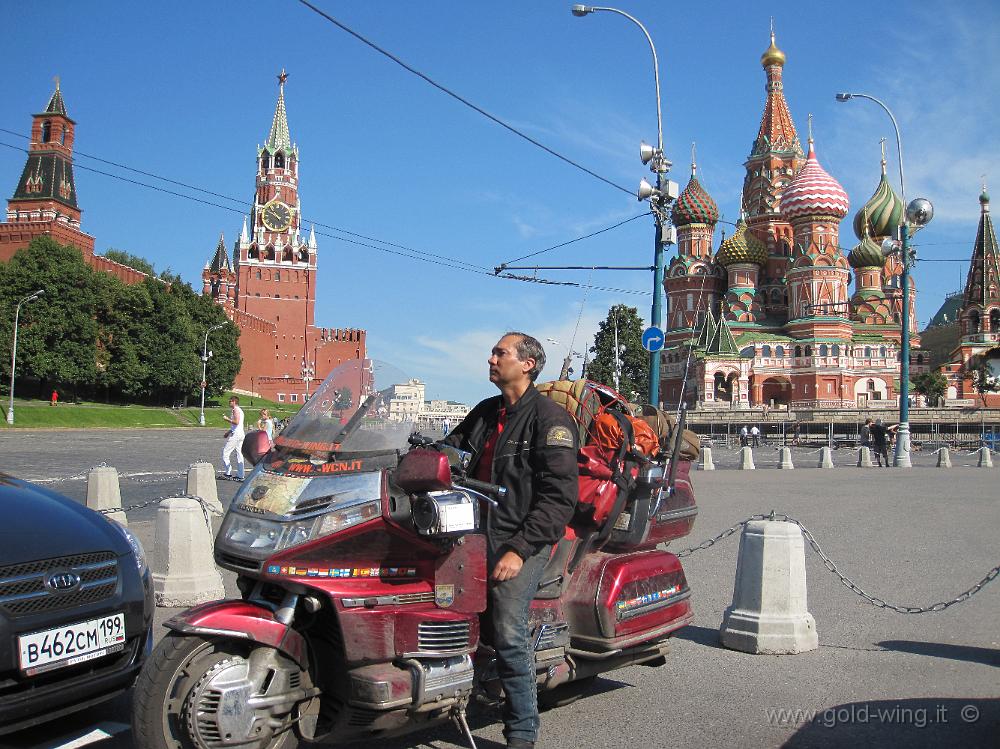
<point x="123" y="361"/>
<point x="931" y="385"/>
<point x="634" y="373"/>
<point x="226" y="361"/>
<point x="57" y="334"/>
<point x="132" y="261"/>
<point x="983" y="381"/>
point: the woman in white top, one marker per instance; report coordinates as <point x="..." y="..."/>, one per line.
<point x="266" y="424"/>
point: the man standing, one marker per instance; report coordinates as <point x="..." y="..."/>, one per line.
<point x="526" y="443"/>
<point x="755" y="434"/>
<point x="234" y="438"/>
<point x="866" y="434"/>
<point x="744" y="436"/>
<point x="880" y="441"/>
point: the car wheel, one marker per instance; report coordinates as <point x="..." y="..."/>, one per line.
<point x="198" y="693"/>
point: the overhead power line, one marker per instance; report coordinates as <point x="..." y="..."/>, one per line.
<point x="462" y="99"/>
<point x="391" y="248"/>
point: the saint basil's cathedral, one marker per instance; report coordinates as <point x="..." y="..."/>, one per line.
<point x="767" y="319"/>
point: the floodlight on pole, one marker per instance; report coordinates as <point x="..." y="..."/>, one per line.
<point x="918" y="214"/>
<point x="13" y="351"/>
<point x="659" y="197"/>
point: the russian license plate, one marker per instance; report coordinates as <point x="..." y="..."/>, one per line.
<point x="71" y="644"/>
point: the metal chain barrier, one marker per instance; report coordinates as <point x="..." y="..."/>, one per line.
<point x="844" y="579"/>
<point x="205" y="507"/>
<point x="74" y="477"/>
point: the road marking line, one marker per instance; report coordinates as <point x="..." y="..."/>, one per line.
<point x="104" y="731"/>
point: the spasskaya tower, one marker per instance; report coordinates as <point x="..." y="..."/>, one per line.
<point x="270" y="285"/>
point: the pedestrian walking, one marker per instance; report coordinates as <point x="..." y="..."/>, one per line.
<point x="866" y="434"/>
<point x="796" y="428"/>
<point x="445" y="427"/>
<point x="755" y="435"/>
<point x="234" y="438"/>
<point x="55" y="399"/>
<point x="266" y="424"/>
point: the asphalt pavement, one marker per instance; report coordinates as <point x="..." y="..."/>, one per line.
<point x="879" y="678"/>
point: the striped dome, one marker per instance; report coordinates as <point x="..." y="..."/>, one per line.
<point x="884" y="210"/>
<point x="866" y="255"/>
<point x="813" y="192"/>
<point x="741" y="247"/>
<point x="694" y="206"/>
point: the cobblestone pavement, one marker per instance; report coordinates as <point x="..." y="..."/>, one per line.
<point x="879" y="678"/>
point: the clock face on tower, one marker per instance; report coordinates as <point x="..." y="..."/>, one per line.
<point x="276" y="216"/>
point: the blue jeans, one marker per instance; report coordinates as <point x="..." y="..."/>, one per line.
<point x="511" y="601"/>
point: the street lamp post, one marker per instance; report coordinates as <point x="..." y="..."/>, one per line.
<point x="205" y="355"/>
<point x="13" y="352"/>
<point x="659" y="198"/>
<point x="918" y="213"/>
<point x="308" y="373"/>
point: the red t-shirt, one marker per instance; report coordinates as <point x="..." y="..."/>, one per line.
<point x="484" y="468"/>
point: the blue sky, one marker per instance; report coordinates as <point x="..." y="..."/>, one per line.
<point x="186" y="90"/>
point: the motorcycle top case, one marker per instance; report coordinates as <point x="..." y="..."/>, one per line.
<point x="643" y="524"/>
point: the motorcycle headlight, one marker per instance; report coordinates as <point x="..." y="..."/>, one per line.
<point x="138" y="552"/>
<point x="263" y="537"/>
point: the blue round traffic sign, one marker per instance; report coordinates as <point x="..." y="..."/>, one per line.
<point x="652" y="339"/>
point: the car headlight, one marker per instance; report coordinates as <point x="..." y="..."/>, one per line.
<point x="263" y="537"/>
<point x="137" y="551"/>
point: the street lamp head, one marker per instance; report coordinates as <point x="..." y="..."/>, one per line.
<point x="646" y="190"/>
<point x="40" y="292"/>
<point x="919" y="212"/>
<point x="646" y="152"/>
<point x="581" y="10"/>
<point x="844" y="96"/>
<point x="890" y="246"/>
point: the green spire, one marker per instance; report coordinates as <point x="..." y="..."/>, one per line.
<point x="723" y="344"/>
<point x="56" y="104"/>
<point x="707" y="330"/>
<point x="279" y="138"/>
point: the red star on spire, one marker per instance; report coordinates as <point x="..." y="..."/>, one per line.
<point x="282" y="77"/>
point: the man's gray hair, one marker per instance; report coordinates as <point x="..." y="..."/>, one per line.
<point x="529" y="348"/>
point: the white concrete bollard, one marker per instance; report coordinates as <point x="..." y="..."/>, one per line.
<point x="184" y="571"/>
<point x="825" y="457"/>
<point x="985" y="459"/>
<point x="769" y="612"/>
<point x="104" y="492"/>
<point x="746" y="459"/>
<point x="944" y="458"/>
<point x="201" y="482"/>
<point x="785" y="460"/>
<point x="865" y="458"/>
<point x="706" y="459"/>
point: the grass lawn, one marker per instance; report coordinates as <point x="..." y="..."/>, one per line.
<point x="38" y="414"/>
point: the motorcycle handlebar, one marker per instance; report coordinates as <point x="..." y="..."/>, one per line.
<point x="485" y="487"/>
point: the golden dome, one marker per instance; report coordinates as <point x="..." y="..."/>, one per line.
<point x="772" y="55"/>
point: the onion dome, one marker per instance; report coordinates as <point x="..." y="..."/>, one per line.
<point x="741" y="247"/>
<point x="772" y="55"/>
<point x="867" y="254"/>
<point x="884" y="210"/>
<point x="984" y="198"/>
<point x="694" y="205"/>
<point x="813" y="192"/>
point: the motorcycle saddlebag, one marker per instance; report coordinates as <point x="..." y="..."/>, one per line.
<point x="638" y="595"/>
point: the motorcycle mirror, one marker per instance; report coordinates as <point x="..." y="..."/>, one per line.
<point x="255" y="446"/>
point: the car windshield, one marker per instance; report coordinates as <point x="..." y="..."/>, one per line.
<point x="350" y="412"/>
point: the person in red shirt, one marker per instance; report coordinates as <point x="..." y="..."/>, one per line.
<point x="526" y="443"/>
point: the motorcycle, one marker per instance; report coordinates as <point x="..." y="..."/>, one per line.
<point x="361" y="560"/>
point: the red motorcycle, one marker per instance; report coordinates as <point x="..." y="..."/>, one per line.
<point x="362" y="569"/>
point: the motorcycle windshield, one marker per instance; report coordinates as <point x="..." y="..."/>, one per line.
<point x="351" y="411"/>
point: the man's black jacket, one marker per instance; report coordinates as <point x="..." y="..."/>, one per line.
<point x="535" y="459"/>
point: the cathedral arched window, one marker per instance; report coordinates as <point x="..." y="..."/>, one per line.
<point x="258" y="275"/>
<point x="824" y="350"/>
<point x="765" y="351"/>
<point x="809" y="350"/>
<point x="253" y="253"/>
<point x="881" y="352"/>
<point x="868" y="352"/>
<point x="265" y="161"/>
<point x="279" y="160"/>
<point x="62" y="136"/>
<point x="779" y="351"/>
<point x="46" y="131"/>
<point x="304" y="256"/>
<point x="269" y="253"/>
<point x="287" y="256"/>
<point x="995" y="321"/>
<point x="277" y="275"/>
<point x="836" y="350"/>
<point x="974" y="321"/>
<point x="871" y="385"/>
<point x="798" y="351"/>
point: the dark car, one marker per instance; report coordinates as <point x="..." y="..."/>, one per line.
<point x="76" y="606"/>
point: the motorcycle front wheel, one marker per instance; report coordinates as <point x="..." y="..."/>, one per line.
<point x="209" y="693"/>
